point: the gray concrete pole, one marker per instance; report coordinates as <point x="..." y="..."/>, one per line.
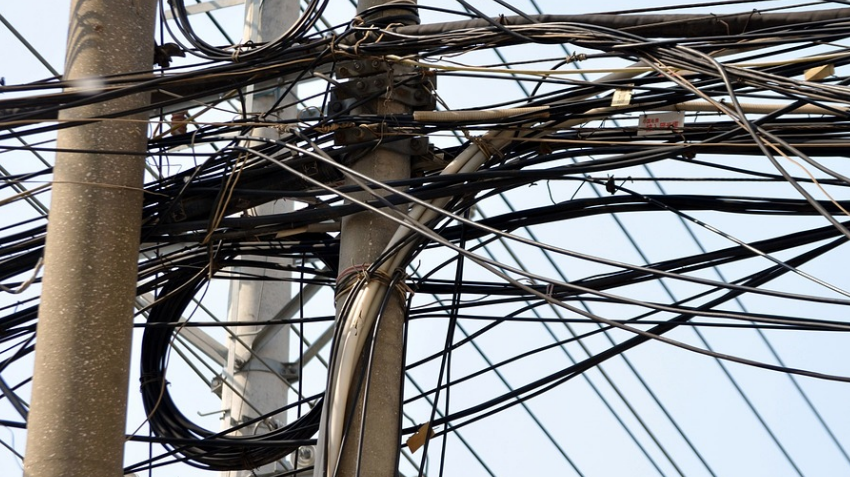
<point x="79" y="397"/>
<point x="253" y="386"/>
<point x="363" y="238"/>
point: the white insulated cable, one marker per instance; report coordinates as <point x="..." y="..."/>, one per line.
<point x="362" y="314"/>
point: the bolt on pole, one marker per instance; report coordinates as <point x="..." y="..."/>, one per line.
<point x="80" y="383"/>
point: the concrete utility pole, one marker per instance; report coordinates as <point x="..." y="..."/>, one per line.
<point x="363" y="238"/>
<point x="254" y="386"/>
<point x="79" y="397"/>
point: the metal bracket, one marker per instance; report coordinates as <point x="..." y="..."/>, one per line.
<point x="216" y="384"/>
<point x="378" y="79"/>
<point x="371" y="67"/>
<point x="407" y="85"/>
<point x="358" y="68"/>
<point x="416" y="96"/>
<point x="288" y="371"/>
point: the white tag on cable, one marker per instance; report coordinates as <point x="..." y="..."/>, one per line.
<point x="661" y="123"/>
<point x="621" y="97"/>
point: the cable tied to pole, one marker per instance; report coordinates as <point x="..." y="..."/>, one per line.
<point x="348" y="279"/>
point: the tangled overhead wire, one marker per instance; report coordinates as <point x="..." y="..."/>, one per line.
<point x="299" y="29"/>
<point x="736" y="79"/>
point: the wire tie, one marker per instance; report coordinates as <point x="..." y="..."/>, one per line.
<point x="486" y="146"/>
<point x="345" y="281"/>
